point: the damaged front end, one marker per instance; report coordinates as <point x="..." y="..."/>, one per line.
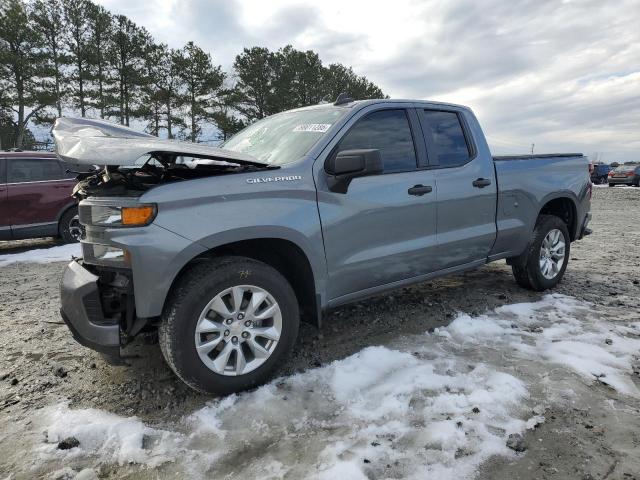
<point x="100" y="293"/>
<point x="132" y="162"/>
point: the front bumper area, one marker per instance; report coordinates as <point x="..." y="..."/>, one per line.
<point x="81" y="310"/>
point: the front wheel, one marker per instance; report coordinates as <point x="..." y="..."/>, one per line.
<point x="545" y="262"/>
<point x="228" y="325"/>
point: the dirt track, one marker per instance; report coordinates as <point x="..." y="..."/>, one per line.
<point x="41" y="365"/>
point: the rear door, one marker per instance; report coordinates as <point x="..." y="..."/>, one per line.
<point x="379" y="232"/>
<point x="466" y="188"/>
<point x="38" y="191"/>
<point x="5" y="224"/>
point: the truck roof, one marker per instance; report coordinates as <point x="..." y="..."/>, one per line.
<point x="376" y="101"/>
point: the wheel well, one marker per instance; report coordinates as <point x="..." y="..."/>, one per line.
<point x="284" y="256"/>
<point x="565" y="209"/>
<point x="64" y="210"/>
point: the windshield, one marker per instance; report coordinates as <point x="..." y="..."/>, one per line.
<point x="285" y="137"/>
<point x="625" y="168"/>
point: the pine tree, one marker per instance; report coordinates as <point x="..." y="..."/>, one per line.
<point x="151" y="92"/>
<point x="255" y="69"/>
<point x="202" y="83"/>
<point x="298" y="79"/>
<point x="100" y="29"/>
<point x="23" y="92"/>
<point x="125" y="57"/>
<point x="337" y="79"/>
<point x="48" y="18"/>
<point x="76" y="17"/>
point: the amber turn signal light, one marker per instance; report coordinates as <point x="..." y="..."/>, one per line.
<point x="137" y="216"/>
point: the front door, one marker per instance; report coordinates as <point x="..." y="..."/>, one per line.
<point x="466" y="188"/>
<point x="383" y="229"/>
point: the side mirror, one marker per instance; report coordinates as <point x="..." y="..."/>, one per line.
<point x="346" y="165"/>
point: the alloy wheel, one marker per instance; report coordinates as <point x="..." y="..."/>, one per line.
<point x="552" y="254"/>
<point x="238" y="330"/>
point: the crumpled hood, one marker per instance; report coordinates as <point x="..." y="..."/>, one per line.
<point x="97" y="142"/>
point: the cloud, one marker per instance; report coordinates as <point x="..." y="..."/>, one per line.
<point x="560" y="74"/>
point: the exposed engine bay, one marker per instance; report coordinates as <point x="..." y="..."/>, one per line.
<point x="160" y="168"/>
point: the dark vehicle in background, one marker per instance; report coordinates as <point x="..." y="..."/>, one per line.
<point x="600" y="173"/>
<point x="35" y="197"/>
<point x="625" y="175"/>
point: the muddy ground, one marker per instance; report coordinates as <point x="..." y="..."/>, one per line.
<point x="40" y="364"/>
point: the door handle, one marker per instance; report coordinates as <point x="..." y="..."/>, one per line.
<point x="419" y="190"/>
<point x="481" y="182"/>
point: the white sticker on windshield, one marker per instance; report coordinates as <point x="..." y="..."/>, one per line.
<point x="312" y="127"/>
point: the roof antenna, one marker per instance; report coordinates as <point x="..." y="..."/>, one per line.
<point x="343" y="98"/>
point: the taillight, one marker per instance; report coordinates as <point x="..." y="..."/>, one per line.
<point x="611" y="173"/>
<point x="630" y="174"/>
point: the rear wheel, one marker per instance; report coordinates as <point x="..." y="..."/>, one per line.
<point x="611" y="185"/>
<point x="228" y="325"/>
<point x="545" y="262"/>
<point x="69" y="227"/>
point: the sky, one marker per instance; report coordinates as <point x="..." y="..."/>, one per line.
<point x="563" y="75"/>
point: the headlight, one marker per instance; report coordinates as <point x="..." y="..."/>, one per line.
<point x="111" y="216"/>
<point x="105" y="255"/>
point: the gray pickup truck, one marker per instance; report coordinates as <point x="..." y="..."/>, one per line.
<point x="225" y="250"/>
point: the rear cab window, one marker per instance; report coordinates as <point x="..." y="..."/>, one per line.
<point x="447" y="143"/>
<point x="24" y="170"/>
<point x="387" y="131"/>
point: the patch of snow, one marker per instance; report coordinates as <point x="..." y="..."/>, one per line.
<point x="112" y="438"/>
<point x="429" y="406"/>
<point x="557" y="329"/>
<point x="58" y="253"/>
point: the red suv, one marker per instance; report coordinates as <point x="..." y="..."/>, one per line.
<point x="35" y="197"/>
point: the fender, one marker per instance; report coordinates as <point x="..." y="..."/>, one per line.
<point x="316" y="258"/>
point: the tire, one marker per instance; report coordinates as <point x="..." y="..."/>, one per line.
<point x="69" y="228"/>
<point x="528" y="269"/>
<point x="190" y="306"/>
<point x="611" y="185"/>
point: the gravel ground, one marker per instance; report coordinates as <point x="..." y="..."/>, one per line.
<point x="41" y="365"/>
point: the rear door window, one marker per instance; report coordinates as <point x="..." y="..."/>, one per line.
<point x="445" y="138"/>
<point x="387" y="131"/>
<point x="23" y="170"/>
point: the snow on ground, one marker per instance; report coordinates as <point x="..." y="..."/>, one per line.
<point x="428" y="406"/>
<point x="58" y="253"/>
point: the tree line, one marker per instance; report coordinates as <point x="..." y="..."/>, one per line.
<point x="74" y="57"/>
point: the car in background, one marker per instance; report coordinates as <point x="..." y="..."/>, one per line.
<point x="35" y="197"/>
<point x="600" y="173"/>
<point x="625" y="175"/>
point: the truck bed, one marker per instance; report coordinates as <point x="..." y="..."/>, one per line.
<point x="525" y="182"/>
